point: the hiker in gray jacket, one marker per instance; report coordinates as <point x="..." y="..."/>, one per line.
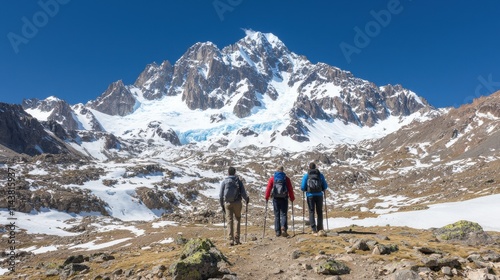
<point x="231" y="193"/>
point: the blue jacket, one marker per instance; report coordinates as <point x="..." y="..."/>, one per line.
<point x="303" y="185"/>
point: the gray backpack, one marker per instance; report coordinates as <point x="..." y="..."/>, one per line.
<point x="232" y="190"/>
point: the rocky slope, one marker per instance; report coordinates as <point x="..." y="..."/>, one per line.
<point x="23" y="134"/>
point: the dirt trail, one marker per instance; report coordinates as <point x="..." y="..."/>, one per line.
<point x="293" y="257"/>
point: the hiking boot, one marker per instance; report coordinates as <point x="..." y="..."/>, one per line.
<point x="278" y="234"/>
<point x="231" y="243"/>
<point x="283" y="232"/>
<point x="237" y="241"/>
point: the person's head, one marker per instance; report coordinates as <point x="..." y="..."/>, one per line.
<point x="231" y="171"/>
<point x="280" y="169"/>
<point x="312" y="165"/>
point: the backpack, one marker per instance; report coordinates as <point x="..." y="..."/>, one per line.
<point x="314" y="183"/>
<point x="279" y="186"/>
<point x="232" y="190"/>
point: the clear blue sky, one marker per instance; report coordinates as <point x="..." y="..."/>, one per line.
<point x="446" y="51"/>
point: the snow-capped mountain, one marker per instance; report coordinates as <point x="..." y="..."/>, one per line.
<point x="253" y="92"/>
<point x="21" y="133"/>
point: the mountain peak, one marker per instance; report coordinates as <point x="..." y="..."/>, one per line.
<point x="261" y="38"/>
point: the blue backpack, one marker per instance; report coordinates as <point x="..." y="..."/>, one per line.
<point x="279" y="187"/>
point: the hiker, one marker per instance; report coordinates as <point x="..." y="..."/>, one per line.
<point x="231" y="193"/>
<point x="314" y="184"/>
<point x="280" y="187"/>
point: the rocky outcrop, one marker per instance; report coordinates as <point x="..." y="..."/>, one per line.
<point x="157" y="199"/>
<point x="247" y="132"/>
<point x="22" y="133"/>
<point x="168" y="135"/>
<point x="200" y="259"/>
<point x="296" y="130"/>
<point x="306" y="108"/>
<point x="60" y="111"/>
<point x="155" y="80"/>
<point x="200" y="73"/>
<point x="92" y="120"/>
<point x="465" y="232"/>
<point x="57" y="129"/>
<point x="71" y="200"/>
<point x="332" y="267"/>
<point x="116" y="100"/>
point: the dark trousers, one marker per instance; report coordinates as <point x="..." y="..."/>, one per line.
<point x="315" y="204"/>
<point x="280" y="206"/>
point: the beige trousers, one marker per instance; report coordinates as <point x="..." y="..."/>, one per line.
<point x="233" y="210"/>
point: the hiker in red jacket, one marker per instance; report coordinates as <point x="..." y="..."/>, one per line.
<point x="280" y="187"/>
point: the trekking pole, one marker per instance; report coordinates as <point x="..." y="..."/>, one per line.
<point x="246" y="220"/>
<point x="293" y="221"/>
<point x="265" y="218"/>
<point x="224" y="219"/>
<point x="326" y="210"/>
<point x="303" y="213"/>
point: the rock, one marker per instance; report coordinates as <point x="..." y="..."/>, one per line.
<point x="101" y="257"/>
<point x="74" y="259"/>
<point x="22" y="133"/>
<point x="332" y="267"/>
<point x="296" y="254"/>
<point x="73" y="268"/>
<point x="380" y="249"/>
<point x="480" y="274"/>
<point x="446" y="270"/>
<point x="199" y="260"/>
<point x="158" y="270"/>
<point x="491" y="256"/>
<point x="436" y="262"/>
<point x="277" y="271"/>
<point x="406" y="274"/>
<point x="466" y="232"/>
<point x="116" y="100"/>
<point x="360" y="244"/>
<point x="52" y="272"/>
<point x="154" y="80"/>
<point x="336" y="277"/>
<point x="426" y="250"/>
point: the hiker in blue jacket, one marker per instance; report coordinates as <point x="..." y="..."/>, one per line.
<point x="314" y="184"/>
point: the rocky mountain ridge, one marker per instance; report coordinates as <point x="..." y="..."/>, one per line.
<point x="255" y="91"/>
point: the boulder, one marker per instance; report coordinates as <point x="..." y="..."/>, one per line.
<point x="200" y="259"/>
<point x="332" y="267"/>
<point x="466" y="232"/>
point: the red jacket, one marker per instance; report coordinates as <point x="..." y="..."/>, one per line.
<point x="270" y="184"/>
